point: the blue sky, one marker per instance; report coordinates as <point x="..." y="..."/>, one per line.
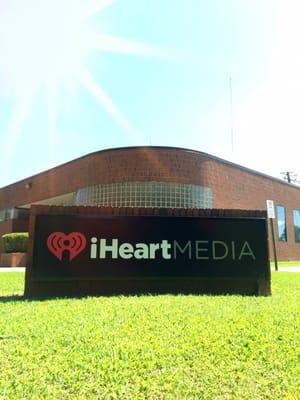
<point x="176" y="95"/>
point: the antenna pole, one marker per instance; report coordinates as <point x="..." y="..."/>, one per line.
<point x="231" y="113"/>
<point x="289" y="176"/>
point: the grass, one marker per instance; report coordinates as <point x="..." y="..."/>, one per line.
<point x="150" y="347"/>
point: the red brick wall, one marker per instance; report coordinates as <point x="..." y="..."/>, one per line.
<point x="233" y="186"/>
<point x="120" y="165"/>
<point x="238" y="188"/>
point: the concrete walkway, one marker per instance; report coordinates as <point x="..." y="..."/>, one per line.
<point x="11" y="269"/>
<point x="287" y="269"/>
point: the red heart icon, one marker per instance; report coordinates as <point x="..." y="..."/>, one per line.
<point x="58" y="242"/>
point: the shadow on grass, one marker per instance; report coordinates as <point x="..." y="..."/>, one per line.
<point x="13" y="298"/>
<point x="20" y="298"/>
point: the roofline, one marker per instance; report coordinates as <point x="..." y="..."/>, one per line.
<point x="221" y="160"/>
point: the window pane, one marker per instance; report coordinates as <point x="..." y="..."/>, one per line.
<point x="2" y="215"/>
<point x="282" y="235"/>
<point x="296" y="215"/>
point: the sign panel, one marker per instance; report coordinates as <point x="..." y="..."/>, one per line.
<point x="270" y="209"/>
<point x="157" y="249"/>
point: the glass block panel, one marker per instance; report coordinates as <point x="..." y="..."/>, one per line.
<point x="146" y="194"/>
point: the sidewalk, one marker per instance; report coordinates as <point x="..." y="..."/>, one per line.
<point x="11" y="269"/>
<point x="287" y="269"/>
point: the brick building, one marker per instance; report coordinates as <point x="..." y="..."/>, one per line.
<point x="157" y="177"/>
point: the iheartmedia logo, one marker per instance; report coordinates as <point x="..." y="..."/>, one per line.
<point x="74" y="243"/>
<point x="167" y="250"/>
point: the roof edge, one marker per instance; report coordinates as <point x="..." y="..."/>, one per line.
<point x="210" y="156"/>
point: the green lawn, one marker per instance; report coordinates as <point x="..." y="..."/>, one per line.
<point x="151" y="347"/>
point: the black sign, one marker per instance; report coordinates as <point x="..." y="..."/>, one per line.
<point x="99" y="248"/>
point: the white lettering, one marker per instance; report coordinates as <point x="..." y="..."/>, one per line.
<point x="246" y="251"/>
<point x="233" y="250"/>
<point x="126" y="250"/>
<point x="94" y="241"/>
<point x="199" y="249"/>
<point x="182" y="249"/>
<point x="218" y="243"/>
<point x="165" y="246"/>
<point x="142" y="251"/>
<point x="153" y="248"/>
<point x="104" y="248"/>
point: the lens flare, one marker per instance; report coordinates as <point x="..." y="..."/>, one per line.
<point x="44" y="46"/>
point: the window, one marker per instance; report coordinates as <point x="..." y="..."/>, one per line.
<point x="7" y="214"/>
<point x="13" y="213"/>
<point x="2" y="215"/>
<point x="281" y="224"/>
<point x="296" y="219"/>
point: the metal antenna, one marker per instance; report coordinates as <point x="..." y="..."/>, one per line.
<point x="290" y="176"/>
<point x="231" y="113"/>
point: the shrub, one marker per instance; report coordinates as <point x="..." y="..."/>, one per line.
<point x="14" y="242"/>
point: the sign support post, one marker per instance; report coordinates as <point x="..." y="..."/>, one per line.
<point x="271" y="216"/>
<point x="274" y="247"/>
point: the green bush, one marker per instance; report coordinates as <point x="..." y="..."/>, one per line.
<point x="14" y="242"/>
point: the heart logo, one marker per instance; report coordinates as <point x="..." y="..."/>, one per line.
<point x="58" y="242"/>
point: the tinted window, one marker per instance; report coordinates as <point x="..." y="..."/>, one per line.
<point x="282" y="234"/>
<point x="296" y="219"/>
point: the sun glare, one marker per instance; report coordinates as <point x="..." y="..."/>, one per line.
<point x="42" y="41"/>
<point x="44" y="46"/>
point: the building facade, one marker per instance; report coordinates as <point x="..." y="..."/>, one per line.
<point x="157" y="177"/>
